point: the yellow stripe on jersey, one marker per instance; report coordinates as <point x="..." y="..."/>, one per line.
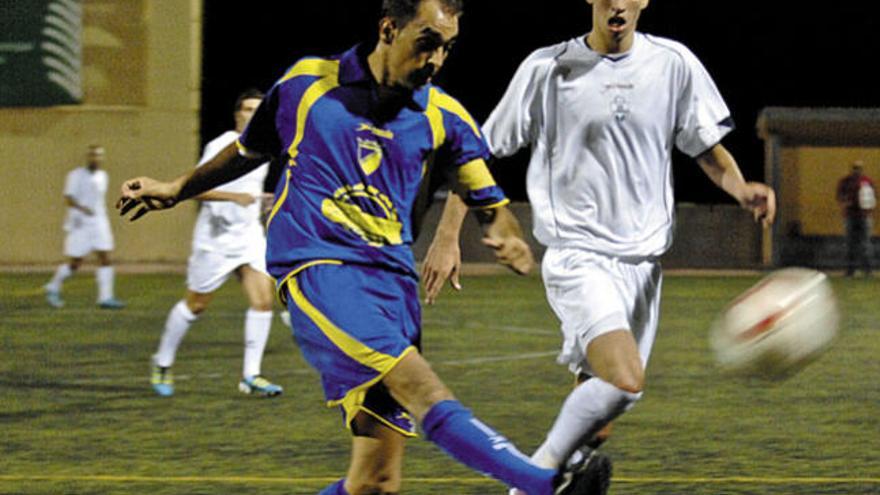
<point x="435" y="118"/>
<point x="474" y="175"/>
<point x="281" y="198"/>
<point x="329" y="80"/>
<point x="452" y="105"/>
<point x="312" y="67"/>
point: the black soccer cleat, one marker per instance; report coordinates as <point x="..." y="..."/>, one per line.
<point x="590" y="475"/>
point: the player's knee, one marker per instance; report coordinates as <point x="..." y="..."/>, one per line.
<point x="632" y="383"/>
<point x="196" y="306"/>
<point x="379" y="483"/>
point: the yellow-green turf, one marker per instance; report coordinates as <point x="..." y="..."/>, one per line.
<point x="77" y="415"/>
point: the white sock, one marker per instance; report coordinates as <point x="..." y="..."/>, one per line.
<point x="588" y="408"/>
<point x="104" y="277"/>
<point x="61" y="274"/>
<point x="179" y="320"/>
<point x="256" y="334"/>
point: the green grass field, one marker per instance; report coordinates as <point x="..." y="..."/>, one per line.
<point x="77" y="415"/>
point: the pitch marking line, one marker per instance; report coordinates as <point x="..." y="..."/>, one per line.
<point x="673" y="480"/>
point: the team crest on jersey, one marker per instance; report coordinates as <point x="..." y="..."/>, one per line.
<point x="367" y="212"/>
<point x="369" y="155"/>
<point x="619" y="107"/>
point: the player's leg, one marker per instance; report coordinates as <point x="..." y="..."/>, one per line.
<point x="260" y="292"/>
<point x="76" y="247"/>
<point x="102" y="243"/>
<point x="62" y="273"/>
<point x="867" y="249"/>
<point x="359" y="327"/>
<point x="104" y="276"/>
<point x="454" y="428"/>
<point x="376" y="460"/>
<point x="597" y="299"/>
<point x="177" y="324"/>
<point x="852" y="245"/>
<point x="206" y="272"/>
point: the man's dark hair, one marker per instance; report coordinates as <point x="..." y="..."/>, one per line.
<point x="247" y="95"/>
<point x="403" y="11"/>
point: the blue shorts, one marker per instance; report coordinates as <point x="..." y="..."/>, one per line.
<point x="354" y="323"/>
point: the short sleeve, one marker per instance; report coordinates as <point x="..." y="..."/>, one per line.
<point x="703" y="118"/>
<point x="467" y="152"/>
<point x="70" y="184"/>
<point x="260" y="137"/>
<point x="515" y="121"/>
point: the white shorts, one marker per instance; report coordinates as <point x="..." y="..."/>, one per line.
<point x="593" y="294"/>
<point x="208" y="270"/>
<point x="87" y="237"/>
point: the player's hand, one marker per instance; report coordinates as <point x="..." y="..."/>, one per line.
<point x="512" y="252"/>
<point x="146" y="195"/>
<point x="760" y="200"/>
<point x="442" y="263"/>
<point x="244" y="199"/>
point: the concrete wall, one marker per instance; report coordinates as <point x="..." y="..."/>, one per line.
<point x="707" y="236"/>
<point x="142" y="66"/>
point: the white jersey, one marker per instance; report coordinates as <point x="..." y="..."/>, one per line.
<point x="601" y="131"/>
<point x="224" y="226"/>
<point x="88" y="189"/>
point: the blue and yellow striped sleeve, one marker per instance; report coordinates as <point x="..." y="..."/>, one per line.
<point x="468" y="152"/>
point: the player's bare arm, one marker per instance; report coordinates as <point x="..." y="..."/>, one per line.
<point x="73" y="204"/>
<point x="150" y="194"/>
<point x="241" y="199"/>
<point x="756" y="197"/>
<point x="501" y="232"/>
<point x="443" y="260"/>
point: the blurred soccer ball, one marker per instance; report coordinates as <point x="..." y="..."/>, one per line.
<point x="777" y="326"/>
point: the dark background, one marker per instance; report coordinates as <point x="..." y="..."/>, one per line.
<point x="760" y="53"/>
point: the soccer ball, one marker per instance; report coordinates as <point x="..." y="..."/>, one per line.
<point x="777" y="326"/>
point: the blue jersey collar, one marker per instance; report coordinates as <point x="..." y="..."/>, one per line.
<point x="353" y="69"/>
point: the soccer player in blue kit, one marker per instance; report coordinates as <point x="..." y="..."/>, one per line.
<point x="359" y="131"/>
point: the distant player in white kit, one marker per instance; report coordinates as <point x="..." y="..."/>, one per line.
<point x="228" y="239"/>
<point x="88" y="229"/>
<point x="601" y="114"/>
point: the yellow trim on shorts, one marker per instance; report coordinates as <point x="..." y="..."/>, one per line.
<point x="295" y="272"/>
<point x="353" y="401"/>
<point x="503" y="202"/>
<point x="384" y="421"/>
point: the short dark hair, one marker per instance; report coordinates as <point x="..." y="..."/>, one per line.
<point x="247" y="95"/>
<point x="404" y="11"/>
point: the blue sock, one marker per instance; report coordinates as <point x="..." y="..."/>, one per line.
<point x="337" y="488"/>
<point x="455" y="429"/>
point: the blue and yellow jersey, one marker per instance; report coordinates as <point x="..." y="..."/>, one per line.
<point x="352" y="173"/>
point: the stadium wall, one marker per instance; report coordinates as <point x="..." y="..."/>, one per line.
<point x="706" y="236"/>
<point x="141" y="76"/>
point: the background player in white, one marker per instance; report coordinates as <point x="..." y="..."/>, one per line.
<point x="601" y="114"/>
<point x="88" y="229"/>
<point x="228" y="238"/>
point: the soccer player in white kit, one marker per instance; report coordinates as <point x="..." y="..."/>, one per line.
<point x="88" y="229"/>
<point x="601" y="114"/>
<point x="228" y="239"/>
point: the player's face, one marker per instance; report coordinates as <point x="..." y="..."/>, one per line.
<point x="418" y="50"/>
<point x="616" y="20"/>
<point x="245" y="112"/>
<point x="95" y="157"/>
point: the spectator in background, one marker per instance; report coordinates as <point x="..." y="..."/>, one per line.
<point x="88" y="229"/>
<point x="857" y="199"/>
